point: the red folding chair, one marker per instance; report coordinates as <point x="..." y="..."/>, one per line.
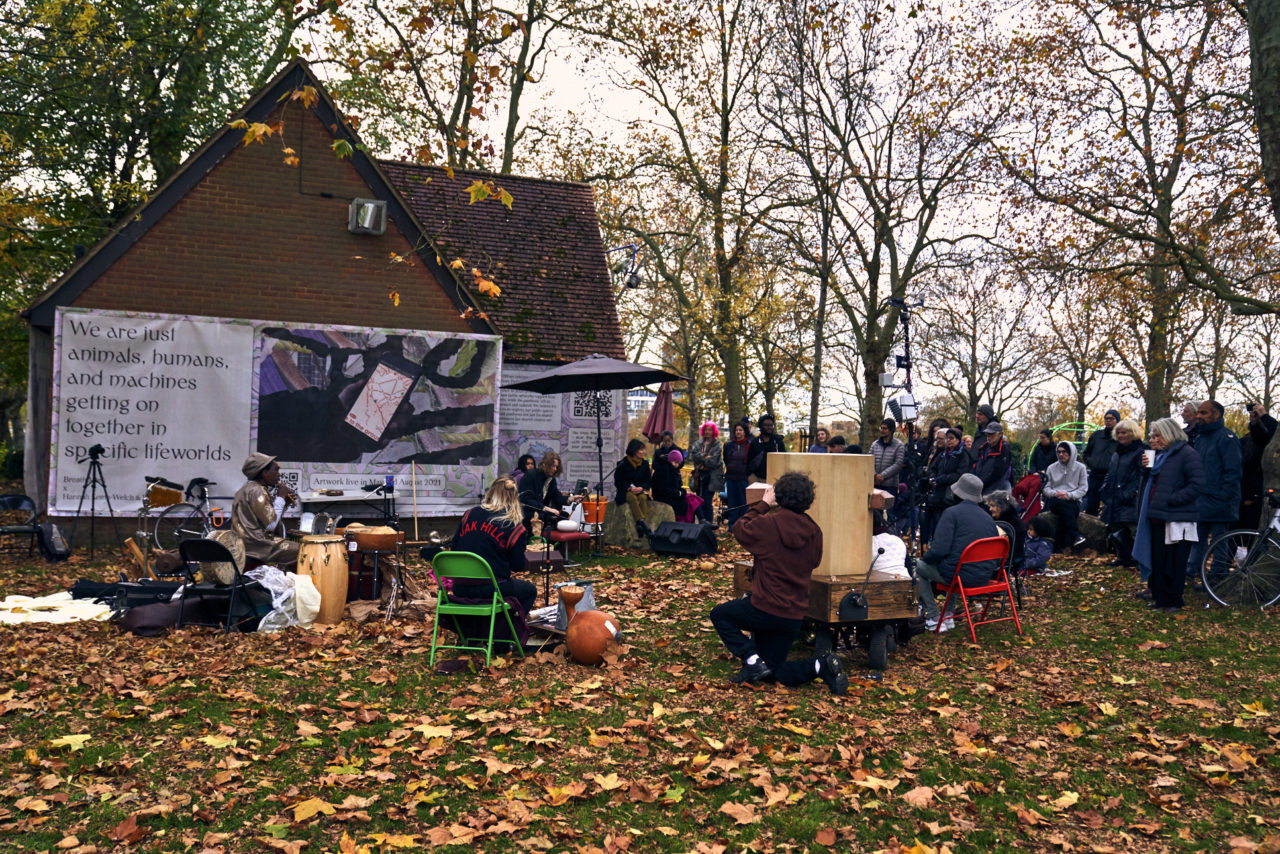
<point x="989" y="548"/>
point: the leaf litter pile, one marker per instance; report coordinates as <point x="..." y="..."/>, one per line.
<point x="1105" y="728"/>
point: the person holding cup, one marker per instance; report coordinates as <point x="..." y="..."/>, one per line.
<point x="1167" y="514"/>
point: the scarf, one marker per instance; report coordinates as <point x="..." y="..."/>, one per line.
<point x="1142" y="542"/>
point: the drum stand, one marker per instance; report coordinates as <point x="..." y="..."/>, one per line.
<point x="92" y="482"/>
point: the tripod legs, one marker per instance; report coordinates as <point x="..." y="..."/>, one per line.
<point x="92" y="482"/>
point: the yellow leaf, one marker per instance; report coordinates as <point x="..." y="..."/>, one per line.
<point x="658" y="710"/>
<point x="1067" y="800"/>
<point x="506" y="198"/>
<point x="1120" y="680"/>
<point x="1108" y="709"/>
<point x="798" y="730"/>
<point x="31" y="805"/>
<point x="430" y="731"/>
<point x="75" y="742"/>
<point x="875" y="783"/>
<point x="607" y="783"/>
<point x="238" y="124"/>
<point x="1256" y="709"/>
<point x="479" y="191"/>
<point x="218" y="741"/>
<point x="1070" y="730"/>
<point x="310" y="807"/>
<point x="456" y="264"/>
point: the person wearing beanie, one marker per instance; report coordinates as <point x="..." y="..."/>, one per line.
<point x="257" y="512"/>
<point x="1097" y="459"/>
<point x="961" y="524"/>
<point x="667" y="486"/>
<point x="982" y="416"/>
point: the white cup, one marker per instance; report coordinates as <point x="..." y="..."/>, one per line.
<point x="1148" y="458"/>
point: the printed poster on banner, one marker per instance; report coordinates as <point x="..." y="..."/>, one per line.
<point x="340" y="407"/>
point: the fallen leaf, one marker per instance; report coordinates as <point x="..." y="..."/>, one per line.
<point x="310" y="807"/>
<point x="31" y="805"/>
<point x="920" y="796"/>
<point x="307" y="730"/>
<point x="1070" y="729"/>
<point x="825" y="836"/>
<point x="741" y="813"/>
<point x="1066" y="801"/>
<point x="75" y="742"/>
<point x="218" y="741"/>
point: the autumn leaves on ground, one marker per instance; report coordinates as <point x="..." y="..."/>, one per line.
<point x="1105" y="728"/>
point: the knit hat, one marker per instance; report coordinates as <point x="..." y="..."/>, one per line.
<point x="986" y="410"/>
<point x="1114" y="413"/>
<point x="255" y="464"/>
<point x="968" y="488"/>
<point x="675" y="458"/>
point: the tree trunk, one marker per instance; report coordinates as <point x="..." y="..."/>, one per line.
<point x="1157" y="362"/>
<point x="1264" y="62"/>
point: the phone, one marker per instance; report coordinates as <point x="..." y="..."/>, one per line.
<point x="392" y="379"/>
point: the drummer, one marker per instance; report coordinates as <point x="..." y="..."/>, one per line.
<point x="257" y="511"/>
<point x="495" y="531"/>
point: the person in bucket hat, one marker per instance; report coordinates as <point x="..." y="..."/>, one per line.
<point x="257" y="511"/>
<point x="960" y="525"/>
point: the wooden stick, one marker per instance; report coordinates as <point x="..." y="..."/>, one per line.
<point x="413" y="478"/>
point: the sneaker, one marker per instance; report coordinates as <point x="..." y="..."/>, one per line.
<point x="830" y="672"/>
<point x="757" y="672"/>
<point x="931" y="624"/>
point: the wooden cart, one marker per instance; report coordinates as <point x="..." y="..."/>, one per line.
<point x="843" y="504"/>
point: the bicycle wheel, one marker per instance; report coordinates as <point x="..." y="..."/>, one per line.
<point x="1242" y="568"/>
<point x="177" y="523"/>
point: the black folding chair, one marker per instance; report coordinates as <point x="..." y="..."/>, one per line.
<point x="196" y="552"/>
<point x="19" y="505"/>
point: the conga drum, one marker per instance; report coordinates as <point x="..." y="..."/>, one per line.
<point x="323" y="557"/>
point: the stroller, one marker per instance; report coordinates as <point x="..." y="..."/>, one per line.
<point x="1028" y="493"/>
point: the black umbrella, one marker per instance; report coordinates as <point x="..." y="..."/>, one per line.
<point x="595" y="373"/>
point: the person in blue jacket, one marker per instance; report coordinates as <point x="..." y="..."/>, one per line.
<point x="1223" y="465"/>
<point x="1167" y="514"/>
<point x="959" y="526"/>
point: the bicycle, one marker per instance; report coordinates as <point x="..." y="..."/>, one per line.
<point x="1242" y="567"/>
<point x="190" y="519"/>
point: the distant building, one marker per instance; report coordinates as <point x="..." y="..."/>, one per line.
<point x="640" y="400"/>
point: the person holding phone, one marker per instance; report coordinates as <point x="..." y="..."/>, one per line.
<point x="257" y="512"/>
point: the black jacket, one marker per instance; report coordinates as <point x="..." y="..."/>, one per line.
<point x="1098" y="451"/>
<point x="1042" y="457"/>
<point x="538" y="490"/>
<point x="1122" y="484"/>
<point x="627" y="475"/>
<point x="992" y="462"/>
<point x="500" y="543"/>
<point x="757" y="456"/>
<point x="946" y="470"/>
<point x="666" y="482"/>
<point x="1219" y="451"/>
<point x="1177" y="487"/>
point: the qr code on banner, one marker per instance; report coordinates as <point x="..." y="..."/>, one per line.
<point x="585" y="402"/>
<point x="291" y="479"/>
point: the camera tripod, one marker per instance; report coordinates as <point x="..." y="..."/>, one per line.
<point x="92" y="482"/>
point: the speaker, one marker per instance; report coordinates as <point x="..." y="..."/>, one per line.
<point x="684" y="538"/>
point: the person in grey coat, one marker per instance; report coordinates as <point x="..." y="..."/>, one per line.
<point x="960" y="525"/>
<point x="1065" y="484"/>
<point x="890" y="455"/>
<point x="707" y="456"/>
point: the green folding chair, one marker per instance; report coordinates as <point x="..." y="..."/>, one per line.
<point x="469" y="568"/>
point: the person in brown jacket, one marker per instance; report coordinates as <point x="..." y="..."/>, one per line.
<point x="760" y="628"/>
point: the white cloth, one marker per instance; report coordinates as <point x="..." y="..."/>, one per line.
<point x="890" y="555"/>
<point x="1176" y="532"/>
<point x="54" y="608"/>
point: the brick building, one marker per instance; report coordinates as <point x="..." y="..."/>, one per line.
<point x="238" y="233"/>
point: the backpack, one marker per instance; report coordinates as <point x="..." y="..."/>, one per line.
<point x="53" y="544"/>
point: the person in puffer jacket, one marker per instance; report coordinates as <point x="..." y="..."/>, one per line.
<point x="1065" y="484"/>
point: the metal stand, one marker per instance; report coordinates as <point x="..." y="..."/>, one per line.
<point x="92" y="481"/>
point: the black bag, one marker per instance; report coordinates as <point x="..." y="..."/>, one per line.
<point x="684" y="538"/>
<point x="53" y="545"/>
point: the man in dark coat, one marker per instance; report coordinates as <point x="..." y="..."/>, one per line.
<point x="760" y="628"/>
<point x="1097" y="459"/>
<point x="761" y="446"/>
<point x="1262" y="427"/>
<point x="959" y="526"/>
<point x="1218" y="504"/>
<point x="993" y="460"/>
<point x="982" y="416"/>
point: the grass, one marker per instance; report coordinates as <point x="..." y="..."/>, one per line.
<point x="1104" y="727"/>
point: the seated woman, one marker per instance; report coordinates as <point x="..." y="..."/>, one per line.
<point x="256" y="512"/>
<point x="632" y="477"/>
<point x="495" y="530"/>
<point x="524" y="465"/>
<point x="666" y="481"/>
<point x="1004" y="509"/>
<point x="539" y="492"/>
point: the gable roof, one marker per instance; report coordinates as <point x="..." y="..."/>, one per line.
<point x="131" y="228"/>
<point x="545" y="253"/>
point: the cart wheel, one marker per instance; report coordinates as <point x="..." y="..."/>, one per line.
<point x="878" y="651"/>
<point x="822" y="639"/>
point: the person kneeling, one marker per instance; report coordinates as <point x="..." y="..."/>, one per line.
<point x="960" y="525"/>
<point x="495" y="530"/>
<point x="760" y="627"/>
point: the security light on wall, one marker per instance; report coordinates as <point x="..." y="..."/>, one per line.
<point x="367" y="216"/>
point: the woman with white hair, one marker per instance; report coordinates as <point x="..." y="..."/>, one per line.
<point x="1167" y="514"/>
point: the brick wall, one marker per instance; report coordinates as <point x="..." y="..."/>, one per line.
<point x="256" y="239"/>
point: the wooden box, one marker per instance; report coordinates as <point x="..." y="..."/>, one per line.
<point x="756" y="491"/>
<point x="843" y="484"/>
<point x="889" y="597"/>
